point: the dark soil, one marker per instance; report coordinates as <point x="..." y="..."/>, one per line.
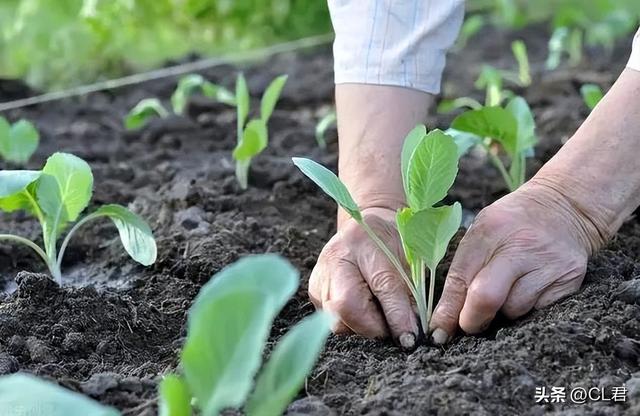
<point x="115" y="327"/>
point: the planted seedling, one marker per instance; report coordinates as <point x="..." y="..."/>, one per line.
<point x="228" y="326"/>
<point x="190" y="84"/>
<point x="18" y="141"/>
<point x="510" y="128"/>
<point x="253" y="135"/>
<point x="429" y="165"/>
<point x="591" y="94"/>
<point x="56" y="196"/>
<point x="323" y="125"/>
<point x="144" y="111"/>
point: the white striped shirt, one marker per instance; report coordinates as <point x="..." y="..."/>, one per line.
<point x="400" y="42"/>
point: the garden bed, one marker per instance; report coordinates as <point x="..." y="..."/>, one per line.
<point x="115" y="326"/>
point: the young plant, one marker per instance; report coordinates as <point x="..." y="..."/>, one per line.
<point x="323" y="125"/>
<point x="511" y="128"/>
<point x="56" y="196"/>
<point x="190" y="84"/>
<point x="429" y="165"/>
<point x="18" y="141"/>
<point x="591" y="94"/>
<point x="253" y="135"/>
<point x="144" y="111"/>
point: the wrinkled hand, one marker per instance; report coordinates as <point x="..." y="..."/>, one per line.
<point x="354" y="280"/>
<point x="527" y="250"/>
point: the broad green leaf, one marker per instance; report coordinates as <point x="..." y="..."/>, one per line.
<point x="290" y="363"/>
<point x="242" y="100"/>
<point x="22" y="394"/>
<point x="135" y="234"/>
<point x="591" y="94"/>
<point x="465" y="141"/>
<point x="494" y="122"/>
<point x="254" y="140"/>
<point x="402" y="219"/>
<point x="270" y="97"/>
<point x="330" y="184"/>
<point x="175" y="397"/>
<point x="322" y="127"/>
<point x="411" y="141"/>
<point x="143" y="112"/>
<point x="21" y="142"/>
<point x="431" y="171"/>
<point x="272" y="275"/>
<point x="17" y="190"/>
<point x="224" y="346"/>
<point x="526" y="125"/>
<point x="428" y="232"/>
<point x="186" y="87"/>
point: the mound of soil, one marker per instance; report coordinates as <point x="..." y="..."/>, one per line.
<point x="115" y="327"/>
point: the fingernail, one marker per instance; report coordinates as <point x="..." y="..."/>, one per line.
<point x="439" y="336"/>
<point x="407" y="340"/>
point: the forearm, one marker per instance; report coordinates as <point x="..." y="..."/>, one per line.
<point x="598" y="169"/>
<point x="373" y="121"/>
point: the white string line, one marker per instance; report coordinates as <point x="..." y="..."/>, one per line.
<point x="170" y="71"/>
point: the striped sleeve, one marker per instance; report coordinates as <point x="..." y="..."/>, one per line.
<point x="634" y="60"/>
<point x="394" y="42"/>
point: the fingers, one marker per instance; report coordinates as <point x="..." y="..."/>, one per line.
<point x="487" y="293"/>
<point x="471" y="255"/>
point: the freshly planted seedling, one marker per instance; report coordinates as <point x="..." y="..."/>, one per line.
<point x="253" y="135"/>
<point x="190" y="84"/>
<point x="18" y="141"/>
<point x="323" y="125"/>
<point x="591" y="94"/>
<point x="511" y="128"/>
<point x="56" y="196"/>
<point x="144" y="111"/>
<point x="429" y="165"/>
<point x="222" y="367"/>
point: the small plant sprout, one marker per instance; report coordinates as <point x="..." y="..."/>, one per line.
<point x="228" y="326"/>
<point x="144" y="111"/>
<point x="591" y="95"/>
<point x="56" y="196"/>
<point x="253" y="135"/>
<point x="429" y="164"/>
<point x="323" y="125"/>
<point x="511" y="128"/>
<point x="18" y="141"/>
<point x="190" y="84"/>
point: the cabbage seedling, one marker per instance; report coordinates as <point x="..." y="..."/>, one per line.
<point x="190" y="84"/>
<point x="143" y="112"/>
<point x="253" y="135"/>
<point x="323" y="125"/>
<point x="18" y="141"/>
<point x="511" y="128"/>
<point x="591" y="94"/>
<point x="56" y="196"/>
<point x="429" y="164"/>
<point x="228" y="326"/>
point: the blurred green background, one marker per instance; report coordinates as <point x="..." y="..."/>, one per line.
<point x="53" y="44"/>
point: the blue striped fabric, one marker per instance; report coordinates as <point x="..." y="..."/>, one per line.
<point x="394" y="42"/>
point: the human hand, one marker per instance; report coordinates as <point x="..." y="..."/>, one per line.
<point x="525" y="251"/>
<point x="355" y="281"/>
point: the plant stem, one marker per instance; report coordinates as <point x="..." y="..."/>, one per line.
<point x="242" y="172"/>
<point x="500" y="166"/>
<point x="423" y="309"/>
<point x="55" y="272"/>
<point x="67" y="238"/>
<point x="432" y="287"/>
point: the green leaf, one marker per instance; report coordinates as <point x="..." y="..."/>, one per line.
<point x="402" y="219"/>
<point x="186" y="87"/>
<point x="428" y="232"/>
<point x="143" y="112"/>
<point x="465" y="141"/>
<point x="242" y="100"/>
<point x="175" y="398"/>
<point x="322" y="127"/>
<point x="254" y="140"/>
<point x="330" y="184"/>
<point x="20" y="143"/>
<point x="22" y="394"/>
<point x="526" y="125"/>
<point x="519" y="49"/>
<point x="270" y="97"/>
<point x="16" y="190"/>
<point x="431" y="171"/>
<point x="494" y="122"/>
<point x="228" y="325"/>
<point x="447" y="105"/>
<point x="291" y="361"/>
<point x="135" y="234"/>
<point x="591" y="94"/>
<point x="411" y="141"/>
<point x="218" y="93"/>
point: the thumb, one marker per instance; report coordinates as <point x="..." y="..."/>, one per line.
<point x="470" y="257"/>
